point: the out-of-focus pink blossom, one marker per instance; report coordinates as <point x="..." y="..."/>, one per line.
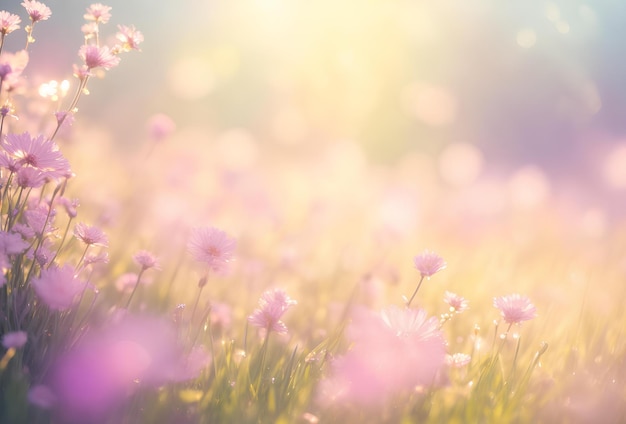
<point x="146" y="260"/>
<point x="515" y="308"/>
<point x="102" y="371"/>
<point x="160" y="126"/>
<point x="98" y="13"/>
<point x="58" y="287"/>
<point x="129" y="37"/>
<point x="392" y="353"/>
<point x="272" y="305"/>
<point x="429" y="263"/>
<point x="90" y="235"/>
<point x="457" y="303"/>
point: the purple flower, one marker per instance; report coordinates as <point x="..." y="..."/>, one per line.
<point x="429" y="263"/>
<point x="272" y="305"/>
<point x="37" y="152"/>
<point x="515" y="308"/>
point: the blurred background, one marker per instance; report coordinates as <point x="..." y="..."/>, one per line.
<point x="528" y="92"/>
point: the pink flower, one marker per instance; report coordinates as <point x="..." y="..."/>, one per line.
<point x="39" y="220"/>
<point x="90" y="235"/>
<point x="95" y="57"/>
<point x="14" y="339"/>
<point x="392" y="353"/>
<point x="515" y="308"/>
<point x="211" y="247"/>
<point x="146" y="260"/>
<point x="58" y="287"/>
<point x="11" y="243"/>
<point x="98" y="12"/>
<point x="160" y="126"/>
<point x="457" y="303"/>
<point x="28" y="177"/>
<point x="129" y="37"/>
<point x="36" y="10"/>
<point x="272" y="305"/>
<point x="11" y="67"/>
<point x="93" y="379"/>
<point x="429" y="263"/>
<point x="8" y="22"/>
<point x="126" y="282"/>
<point x="37" y="152"/>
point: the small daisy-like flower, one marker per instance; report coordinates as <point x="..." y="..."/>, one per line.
<point x="36" y="10"/>
<point x="212" y="247"/>
<point x="458" y="360"/>
<point x="515" y="308"/>
<point x="129" y="37"/>
<point x="146" y="260"/>
<point x="98" y="12"/>
<point x="429" y="263"/>
<point x="457" y="303"/>
<point x="37" y="152"/>
<point x="8" y="22"/>
<point x="90" y="235"/>
<point x="14" y="339"/>
<point x="58" y="287"/>
<point x="272" y="305"/>
<point x="96" y="57"/>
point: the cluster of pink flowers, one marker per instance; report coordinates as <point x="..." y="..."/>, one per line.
<point x="272" y="305"/>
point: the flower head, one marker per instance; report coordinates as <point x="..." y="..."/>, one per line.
<point x="212" y="247"/>
<point x="37" y="152"/>
<point x="457" y="303"/>
<point x="36" y="10"/>
<point x="429" y="263"/>
<point x="146" y="260"/>
<point x="515" y="308"/>
<point x="98" y="13"/>
<point x="8" y="22"/>
<point x="58" y="287"/>
<point x="96" y="57"/>
<point x="129" y="37"/>
<point x="90" y="235"/>
<point x="272" y="305"/>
